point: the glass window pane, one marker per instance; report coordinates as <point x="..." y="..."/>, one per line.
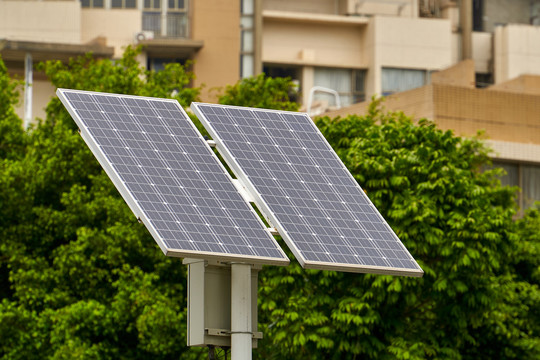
<point x="247" y="7"/>
<point x="247" y="41"/>
<point x="131" y="4"/>
<point x="116" y="3"/>
<point x="85" y="3"/>
<point x="98" y="3"/>
<point x="172" y="4"/>
<point x="531" y="185"/>
<point x="396" y="80"/>
<point x="335" y="79"/>
<point x="359" y="80"/>
<point x="339" y="80"/>
<point x="177" y="24"/>
<point x="512" y="173"/>
<point x="247" y="66"/>
<point x="151" y="21"/>
<point x="246" y="22"/>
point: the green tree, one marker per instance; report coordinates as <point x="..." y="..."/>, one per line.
<point x="11" y="131"/>
<point x="80" y="277"/>
<point x="261" y="92"/>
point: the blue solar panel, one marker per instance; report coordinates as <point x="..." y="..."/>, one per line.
<point x="170" y="177"/>
<point x="304" y="189"/>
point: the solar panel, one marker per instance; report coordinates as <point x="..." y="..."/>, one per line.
<point x="170" y="177"/>
<point x="305" y="191"/>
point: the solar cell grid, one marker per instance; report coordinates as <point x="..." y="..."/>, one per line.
<point x="300" y="183"/>
<point x="170" y="177"/>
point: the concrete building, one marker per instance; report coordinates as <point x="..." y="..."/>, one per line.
<point x="355" y="47"/>
<point x="350" y="48"/>
<point x="508" y="114"/>
<point x="206" y="31"/>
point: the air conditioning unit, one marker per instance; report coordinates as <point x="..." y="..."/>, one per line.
<point x="143" y="35"/>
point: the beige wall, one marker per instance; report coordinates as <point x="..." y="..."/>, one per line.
<point x="417" y="103"/>
<point x="373" y="44"/>
<point x="118" y="26"/>
<point x="48" y="21"/>
<point x="404" y="8"/>
<point x="509" y="114"/>
<point x="504" y="116"/>
<point x="517" y="51"/>
<point x="461" y="74"/>
<point x="42" y="93"/>
<point x="482" y="51"/>
<point x="525" y="84"/>
<point x="506" y="150"/>
<point x="413" y="43"/>
<point x="373" y="73"/>
<point x="313" y="44"/>
<point x="217" y="64"/>
<point x="308" y="6"/>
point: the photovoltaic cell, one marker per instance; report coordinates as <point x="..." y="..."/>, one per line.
<point x="170" y="177"/>
<point x="305" y="190"/>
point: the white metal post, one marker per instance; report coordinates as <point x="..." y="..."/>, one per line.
<point x="28" y="80"/>
<point x="241" y="333"/>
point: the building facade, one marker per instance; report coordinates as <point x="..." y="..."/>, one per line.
<point x="356" y="48"/>
<point x="507" y="114"/>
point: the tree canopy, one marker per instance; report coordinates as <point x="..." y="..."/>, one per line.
<point x="80" y="278"/>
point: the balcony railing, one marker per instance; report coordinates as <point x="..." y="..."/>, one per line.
<point x="174" y="23"/>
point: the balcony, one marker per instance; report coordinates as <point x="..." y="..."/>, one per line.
<point x="169" y="25"/>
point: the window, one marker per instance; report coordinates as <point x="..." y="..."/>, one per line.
<point x="123" y="4"/>
<point x="167" y="19"/>
<point x="177" y="19"/>
<point x="294" y="73"/>
<point x="151" y="20"/>
<point x="350" y="84"/>
<point x="178" y="5"/>
<point x="478" y="15"/>
<point x="530" y="184"/>
<point x="483" y="80"/>
<point x="152" y="4"/>
<point x="158" y="64"/>
<point x="247" y="50"/>
<point x="282" y="71"/>
<point x="396" y="80"/>
<point x="526" y="177"/>
<point x="92" y="3"/>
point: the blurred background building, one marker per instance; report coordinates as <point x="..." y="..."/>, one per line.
<point x="339" y="52"/>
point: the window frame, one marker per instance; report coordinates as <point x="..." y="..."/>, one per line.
<point x="355" y="93"/>
<point x="123" y="5"/>
<point x="91" y="4"/>
<point x="521" y="201"/>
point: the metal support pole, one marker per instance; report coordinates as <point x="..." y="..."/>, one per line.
<point x="466" y="22"/>
<point x="241" y="333"/>
<point x="28" y="80"/>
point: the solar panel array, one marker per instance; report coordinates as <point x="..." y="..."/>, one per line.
<point x="170" y="177"/>
<point x="305" y="190"/>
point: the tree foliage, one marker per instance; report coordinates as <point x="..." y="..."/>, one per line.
<point x="80" y="278"/>
<point x="261" y="92"/>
